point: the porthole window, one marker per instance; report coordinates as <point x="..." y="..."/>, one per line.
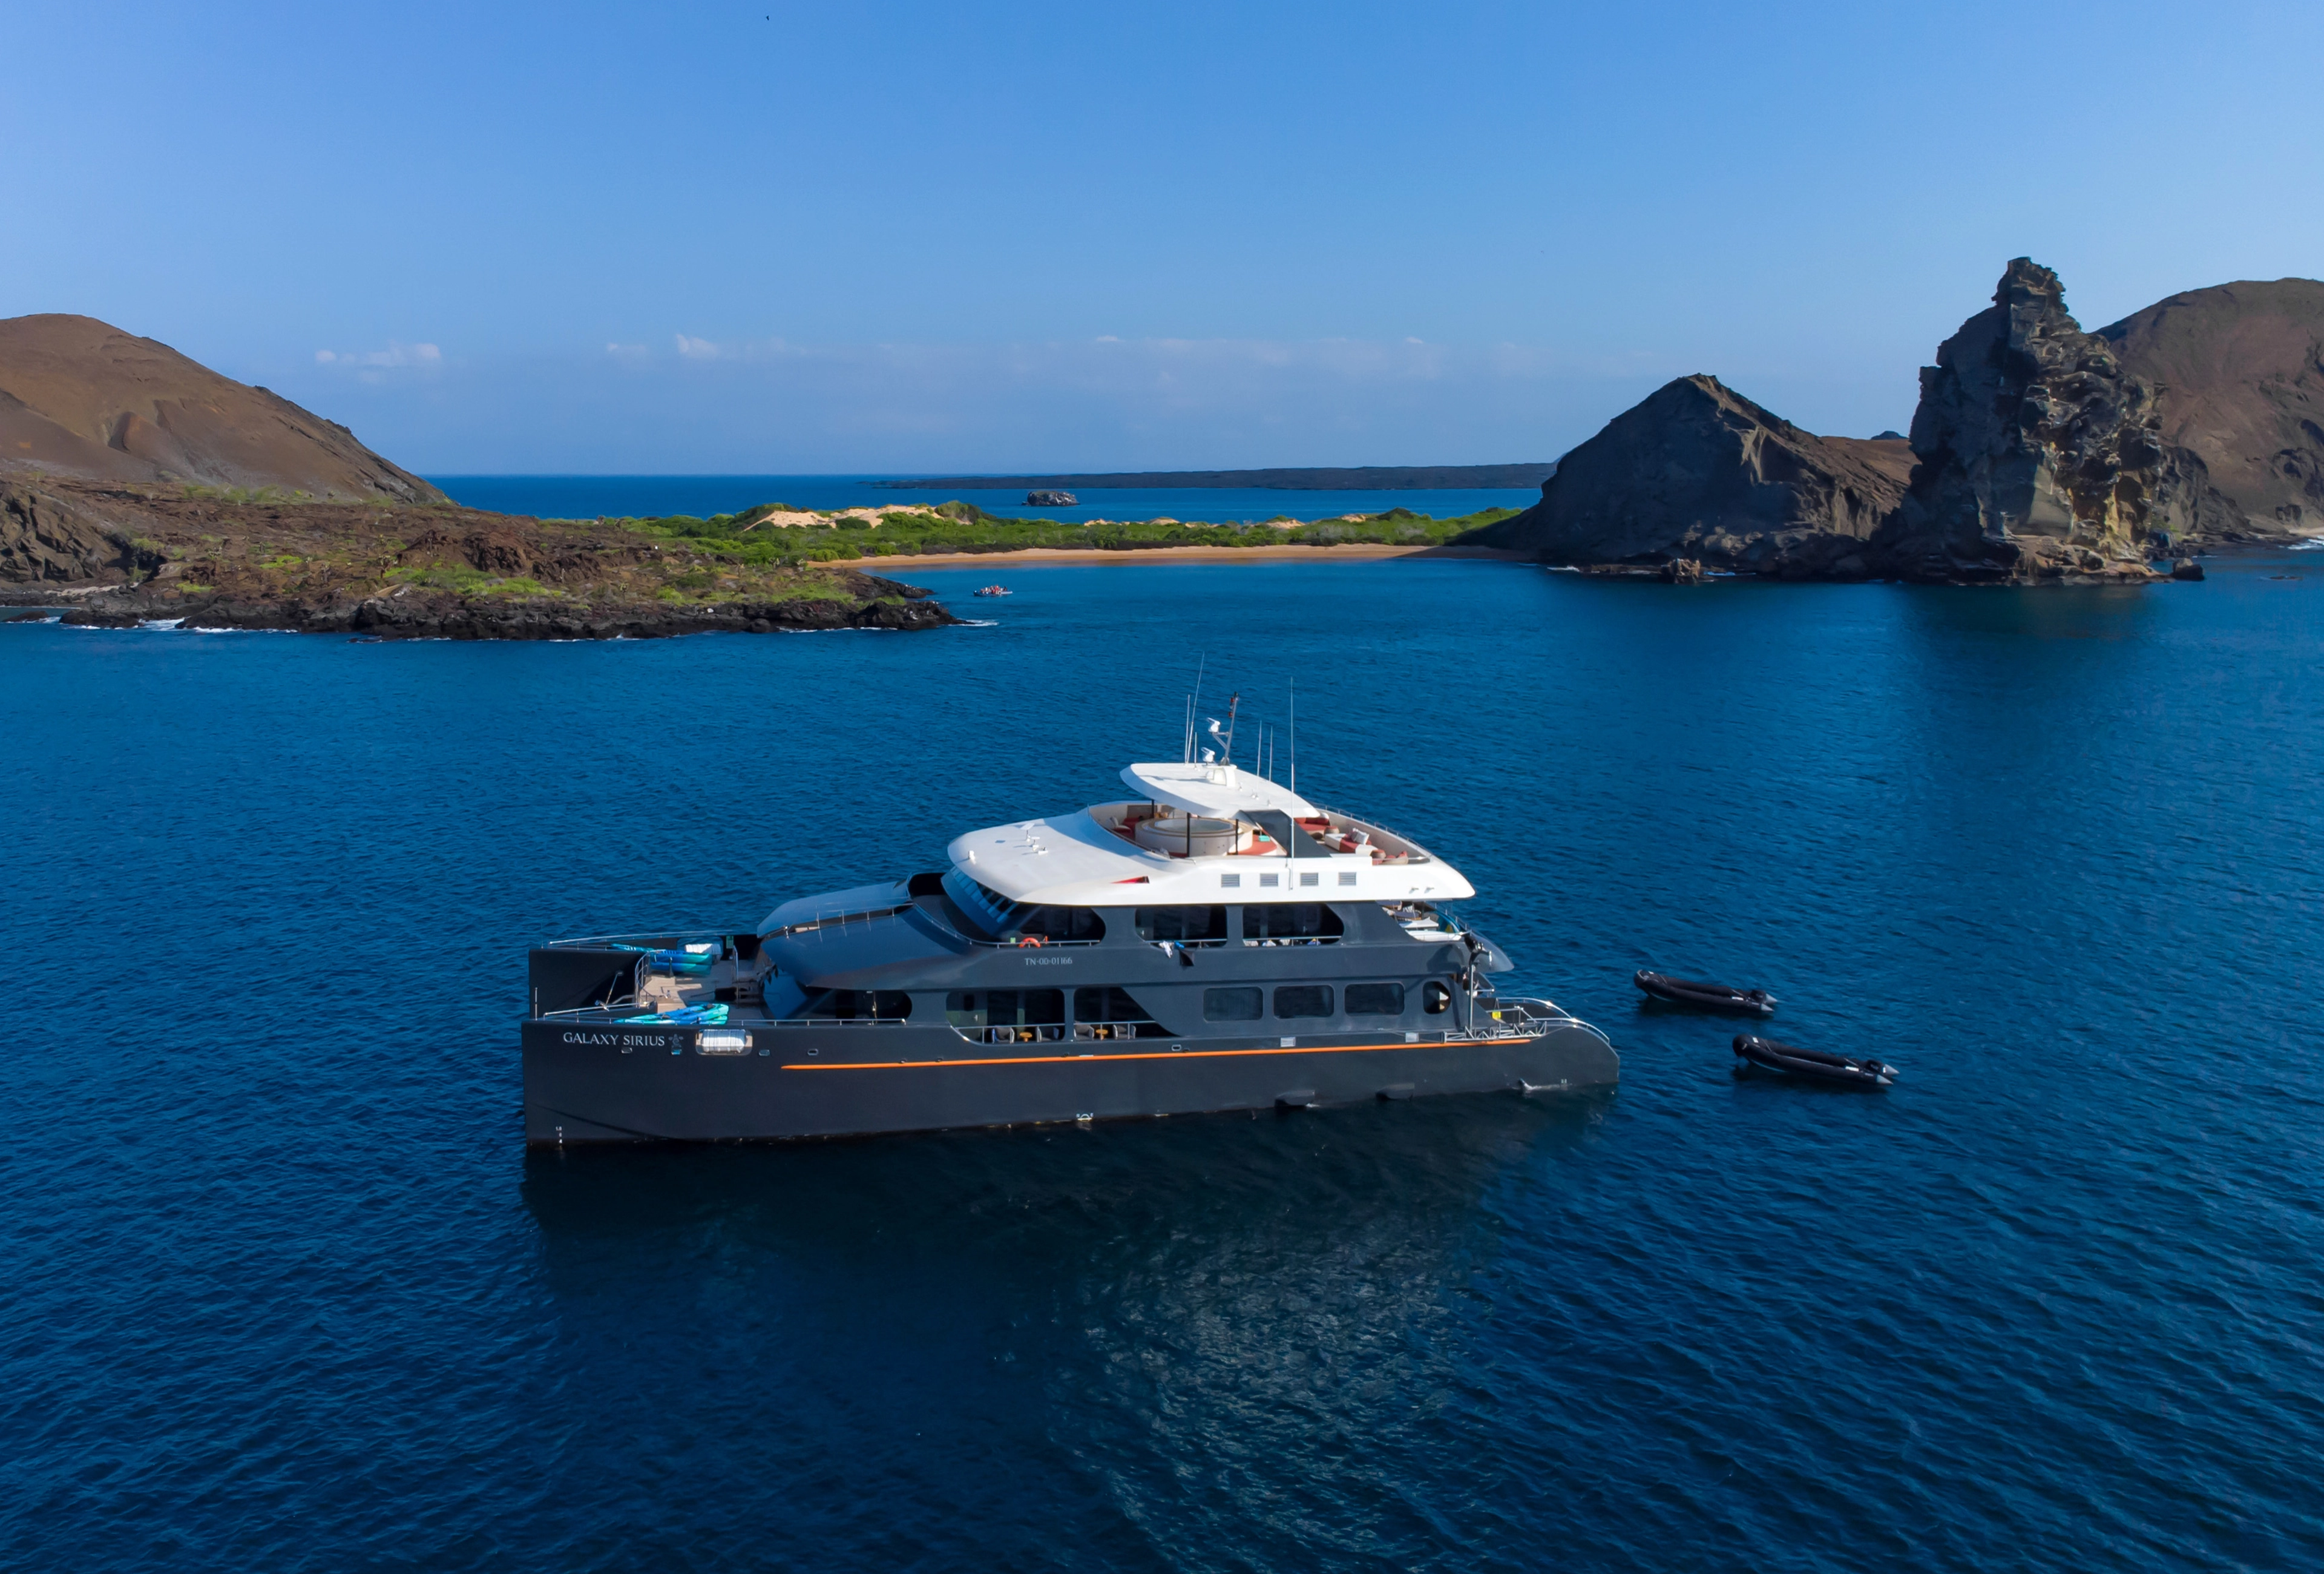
<point x="1347" y="877"/>
<point x="1270" y="879"/>
<point x="1434" y="997"/>
<point x="1306" y="879"/>
<point x="1231" y="881"/>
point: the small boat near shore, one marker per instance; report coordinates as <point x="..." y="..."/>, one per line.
<point x="1816" y="1065"/>
<point x="996" y="590"/>
<point x="1704" y="996"/>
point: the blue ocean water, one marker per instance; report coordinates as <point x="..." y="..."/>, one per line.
<point x="280" y="1288"/>
<point x="625" y="496"/>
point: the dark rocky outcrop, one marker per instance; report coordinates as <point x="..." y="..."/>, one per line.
<point x="80" y="398"/>
<point x="845" y="599"/>
<point x="49" y="536"/>
<point x="117" y="556"/>
<point x="2040" y="458"/>
<point x="1697" y="472"/>
<point x="2240" y="369"/>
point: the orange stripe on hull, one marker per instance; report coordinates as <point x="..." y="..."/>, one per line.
<point x="1147" y="1055"/>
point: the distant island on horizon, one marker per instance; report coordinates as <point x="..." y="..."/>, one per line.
<point x="1347" y="478"/>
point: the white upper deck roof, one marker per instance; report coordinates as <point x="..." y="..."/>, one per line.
<point x="1220" y="792"/>
<point x="1074" y="860"/>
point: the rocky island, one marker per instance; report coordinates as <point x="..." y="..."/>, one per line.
<point x="2040" y="454"/>
<point x="1698" y="473"/>
<point x="136" y="484"/>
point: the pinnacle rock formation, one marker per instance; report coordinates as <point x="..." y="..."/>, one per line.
<point x="1696" y="471"/>
<point x="81" y="399"/>
<point x="2040" y="457"/>
<point x="2240" y="371"/>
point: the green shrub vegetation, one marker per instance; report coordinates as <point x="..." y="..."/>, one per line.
<point x="742" y="540"/>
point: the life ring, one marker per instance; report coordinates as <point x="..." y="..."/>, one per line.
<point x="1024" y="941"/>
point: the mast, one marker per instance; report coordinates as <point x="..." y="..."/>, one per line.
<point x="1193" y="704"/>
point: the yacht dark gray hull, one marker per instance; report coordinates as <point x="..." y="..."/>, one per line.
<point x="1221" y="945"/>
<point x="614" y="1083"/>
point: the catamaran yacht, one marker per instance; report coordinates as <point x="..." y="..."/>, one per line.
<point x="1214" y="941"/>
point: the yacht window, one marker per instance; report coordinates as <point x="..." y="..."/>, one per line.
<point x="1311" y="879"/>
<point x="1347" y="877"/>
<point x="1231" y="881"/>
<point x="1290" y="921"/>
<point x="1375" y="1000"/>
<point x="1303" y="1000"/>
<point x="1181" y="923"/>
<point x="1004" y="920"/>
<point x="978" y="901"/>
<point x="1232" y="1004"/>
<point x="1055" y="923"/>
<point x="859" y="1004"/>
<point x="1111" y="1005"/>
<point x="1270" y="879"/>
<point x="1434" y="997"/>
<point x="1005" y="1007"/>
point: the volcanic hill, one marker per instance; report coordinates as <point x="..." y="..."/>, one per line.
<point x="2240" y="371"/>
<point x="80" y="398"/>
<point x="137" y="485"/>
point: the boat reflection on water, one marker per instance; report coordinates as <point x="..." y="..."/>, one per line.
<point x="1195" y="1306"/>
<point x="1310" y="1173"/>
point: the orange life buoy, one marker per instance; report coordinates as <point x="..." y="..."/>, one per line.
<point x="1024" y="940"/>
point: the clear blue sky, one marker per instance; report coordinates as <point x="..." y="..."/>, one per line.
<point x="776" y="237"/>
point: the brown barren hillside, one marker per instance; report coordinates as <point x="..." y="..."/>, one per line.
<point x="1696" y="472"/>
<point x="80" y="398"/>
<point x="2241" y="373"/>
<point x="118" y="555"/>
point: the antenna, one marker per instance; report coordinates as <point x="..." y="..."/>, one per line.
<point x="1293" y="685"/>
<point x="1194" y="703"/>
<point x="1233" y="701"/>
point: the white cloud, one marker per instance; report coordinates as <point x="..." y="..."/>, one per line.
<point x="394" y="355"/>
<point x="374" y="365"/>
<point x="696" y="349"/>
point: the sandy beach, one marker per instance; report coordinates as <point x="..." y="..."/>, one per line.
<point x="1345" y="552"/>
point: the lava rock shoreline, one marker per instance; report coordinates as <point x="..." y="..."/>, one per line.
<point x="120" y="556"/>
<point x="878" y="604"/>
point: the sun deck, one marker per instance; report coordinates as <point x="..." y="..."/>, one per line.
<point x="1202" y="832"/>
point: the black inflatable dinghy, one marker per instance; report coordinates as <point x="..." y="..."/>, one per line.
<point x="1709" y="996"/>
<point x="1815" y="1064"/>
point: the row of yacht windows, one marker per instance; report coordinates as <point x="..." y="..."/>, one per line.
<point x="1183" y="925"/>
<point x="982" y="1008"/>
<point x="1191" y="925"/>
<point x="1272" y="881"/>
<point x="1292" y="1001"/>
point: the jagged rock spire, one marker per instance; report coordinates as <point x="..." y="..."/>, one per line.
<point x="2039" y="457"/>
